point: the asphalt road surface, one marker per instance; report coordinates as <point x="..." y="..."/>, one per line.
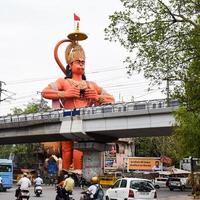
<point x="49" y="193"/>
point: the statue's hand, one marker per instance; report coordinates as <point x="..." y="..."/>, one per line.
<point x="91" y="94"/>
<point x="70" y="93"/>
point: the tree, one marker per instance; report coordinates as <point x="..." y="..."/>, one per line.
<point x="165" y="37"/>
<point x="24" y="152"/>
<point x="187" y="132"/>
<point x="147" y="146"/>
<point x="157" y="35"/>
<point x="32" y="107"/>
<point x="188" y="116"/>
<point x="158" y="147"/>
<point x="189" y="91"/>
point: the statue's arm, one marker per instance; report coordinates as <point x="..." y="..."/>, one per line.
<point x="104" y="97"/>
<point x="60" y="90"/>
<point x="100" y="96"/>
<point x="53" y="90"/>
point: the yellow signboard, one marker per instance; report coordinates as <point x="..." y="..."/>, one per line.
<point x="143" y="164"/>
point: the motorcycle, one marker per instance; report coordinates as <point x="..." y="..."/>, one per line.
<point x="85" y="195"/>
<point x="23" y="194"/>
<point x="62" y="195"/>
<point x="38" y="190"/>
<point x="83" y="183"/>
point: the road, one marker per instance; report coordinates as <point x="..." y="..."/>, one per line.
<point x="49" y="193"/>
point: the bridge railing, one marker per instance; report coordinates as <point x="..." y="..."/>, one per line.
<point x="129" y="106"/>
<point x="52" y="114"/>
<point x="93" y="110"/>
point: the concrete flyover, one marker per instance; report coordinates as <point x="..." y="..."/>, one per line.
<point x="101" y="124"/>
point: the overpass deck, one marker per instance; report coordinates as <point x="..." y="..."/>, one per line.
<point x="102" y="123"/>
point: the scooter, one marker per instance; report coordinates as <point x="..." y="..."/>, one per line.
<point x="62" y="195"/>
<point x="23" y="194"/>
<point x="38" y="190"/>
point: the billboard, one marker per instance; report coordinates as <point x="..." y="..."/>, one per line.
<point x="190" y="164"/>
<point x="114" y="158"/>
<point x="110" y="159"/>
<point x="143" y="164"/>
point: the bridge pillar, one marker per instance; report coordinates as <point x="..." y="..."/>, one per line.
<point x="93" y="158"/>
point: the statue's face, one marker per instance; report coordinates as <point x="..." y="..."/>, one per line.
<point x="78" y="67"/>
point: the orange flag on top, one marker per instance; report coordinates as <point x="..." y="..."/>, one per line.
<point x="76" y="18"/>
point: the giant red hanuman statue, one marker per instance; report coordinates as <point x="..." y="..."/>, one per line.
<point x="74" y="91"/>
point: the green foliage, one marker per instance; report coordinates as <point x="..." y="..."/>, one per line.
<point x="159" y="33"/>
<point x="163" y="40"/>
<point x="190" y="95"/>
<point x="17" y="111"/>
<point x="147" y="146"/>
<point x="187" y="132"/>
<point x="26" y="156"/>
<point x="32" y="107"/>
<point x="6" y="150"/>
<point x="188" y="116"/>
<point x="24" y="153"/>
<point x="158" y="146"/>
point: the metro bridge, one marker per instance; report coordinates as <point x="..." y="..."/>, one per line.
<point x="105" y="123"/>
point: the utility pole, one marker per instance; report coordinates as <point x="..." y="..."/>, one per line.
<point x="167" y="79"/>
<point x="1" y="90"/>
<point x="167" y="90"/>
<point x="41" y="102"/>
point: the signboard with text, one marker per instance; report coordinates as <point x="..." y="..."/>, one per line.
<point x="110" y="160"/>
<point x="143" y="164"/>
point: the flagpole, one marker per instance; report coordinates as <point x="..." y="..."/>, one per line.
<point x="76" y="35"/>
<point x="74" y="25"/>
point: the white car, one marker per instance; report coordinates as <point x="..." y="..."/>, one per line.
<point x="131" y="189"/>
<point x="160" y="183"/>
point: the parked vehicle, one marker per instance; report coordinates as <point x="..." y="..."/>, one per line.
<point x="176" y="183"/>
<point x="132" y="188"/>
<point x="6" y="173"/>
<point x="109" y="180"/>
<point x="160" y="183"/>
<point x="23" y="194"/>
<point x="38" y="190"/>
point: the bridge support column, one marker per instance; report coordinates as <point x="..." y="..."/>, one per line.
<point x="93" y="158"/>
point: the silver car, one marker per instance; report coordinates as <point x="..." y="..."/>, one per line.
<point x="160" y="183"/>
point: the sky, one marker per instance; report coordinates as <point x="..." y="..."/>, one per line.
<point x="29" y="32"/>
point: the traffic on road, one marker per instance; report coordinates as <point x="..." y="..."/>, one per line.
<point x="49" y="193"/>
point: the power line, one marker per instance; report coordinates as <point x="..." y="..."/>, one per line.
<point x="117" y="87"/>
<point x="51" y="78"/>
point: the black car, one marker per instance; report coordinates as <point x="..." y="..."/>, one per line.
<point x="176" y="183"/>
